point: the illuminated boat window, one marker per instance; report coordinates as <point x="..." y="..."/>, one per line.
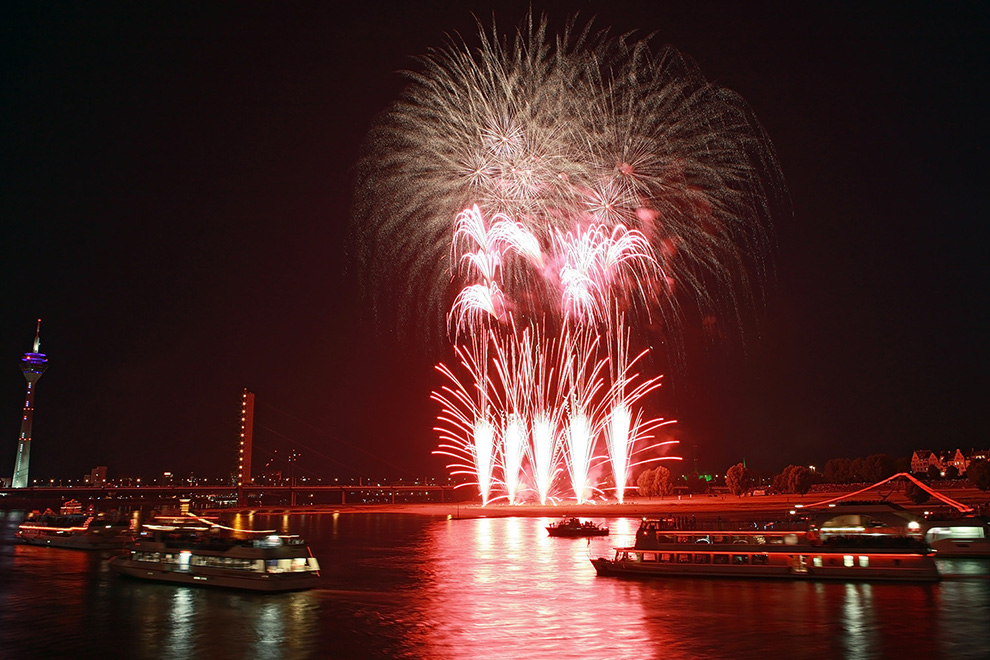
<point x="847" y="561"/>
<point x="864" y="561"/>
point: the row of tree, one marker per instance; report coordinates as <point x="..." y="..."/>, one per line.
<point x="870" y="469"/>
<point x="793" y="479"/>
<point x="798" y="479"/>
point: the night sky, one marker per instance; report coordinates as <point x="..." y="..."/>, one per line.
<point x="175" y="204"/>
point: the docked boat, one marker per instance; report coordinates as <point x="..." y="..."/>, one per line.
<point x="789" y="554"/>
<point x="965" y="535"/>
<point x="190" y="549"/>
<point x="72" y="529"/>
<point x="960" y="537"/>
<point x="574" y="527"/>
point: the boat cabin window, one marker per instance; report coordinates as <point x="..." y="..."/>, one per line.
<point x="684" y="558"/>
<point x="720" y="559"/>
<point x="957" y="533"/>
<point x="816" y="561"/>
<point x="702" y="558"/>
<point x="864" y="561"/>
<point x="740" y="559"/>
<point x="847" y="561"/>
<point x="761" y="559"/>
<point x="667" y="557"/>
<point x="649" y="556"/>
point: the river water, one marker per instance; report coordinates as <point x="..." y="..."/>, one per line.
<point x="406" y="586"/>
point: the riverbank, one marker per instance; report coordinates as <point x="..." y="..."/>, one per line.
<point x="703" y="506"/>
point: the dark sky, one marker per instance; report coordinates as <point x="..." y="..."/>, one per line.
<point x="174" y="203"/>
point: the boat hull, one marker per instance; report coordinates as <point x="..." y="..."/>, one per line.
<point x="950" y="548"/>
<point x="75" y="531"/>
<point x="618" y="568"/>
<point x="74" y="540"/>
<point x="574" y="534"/>
<point x="574" y="528"/>
<point x="796" y="564"/>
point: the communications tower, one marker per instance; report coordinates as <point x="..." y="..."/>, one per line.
<point x="33" y="365"/>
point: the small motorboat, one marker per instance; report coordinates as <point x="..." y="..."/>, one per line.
<point x="574" y="527"/>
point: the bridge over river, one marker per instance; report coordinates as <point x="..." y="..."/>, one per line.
<point x="218" y="495"/>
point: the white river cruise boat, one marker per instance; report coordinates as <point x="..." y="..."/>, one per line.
<point x="800" y="554"/>
<point x="194" y="550"/>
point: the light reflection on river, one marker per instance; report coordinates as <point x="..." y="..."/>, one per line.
<point x="399" y="586"/>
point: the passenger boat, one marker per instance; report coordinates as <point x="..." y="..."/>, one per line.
<point x="72" y="529"/>
<point x="573" y="527"/>
<point x="791" y="554"/>
<point x="190" y="549"/>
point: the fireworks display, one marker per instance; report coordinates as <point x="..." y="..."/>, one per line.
<point x="551" y="200"/>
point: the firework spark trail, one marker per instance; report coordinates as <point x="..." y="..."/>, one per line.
<point x="597" y="264"/>
<point x="618" y="441"/>
<point x="584" y="383"/>
<point x="581" y="445"/>
<point x="544" y="454"/>
<point x="547" y="411"/>
<point x="514" y="369"/>
<point x="466" y="433"/>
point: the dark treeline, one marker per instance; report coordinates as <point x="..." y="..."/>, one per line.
<point x="799" y="479"/>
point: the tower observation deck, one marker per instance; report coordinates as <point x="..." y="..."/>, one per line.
<point x="33" y="366"/>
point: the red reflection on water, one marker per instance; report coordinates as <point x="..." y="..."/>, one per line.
<point x="501" y="588"/>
